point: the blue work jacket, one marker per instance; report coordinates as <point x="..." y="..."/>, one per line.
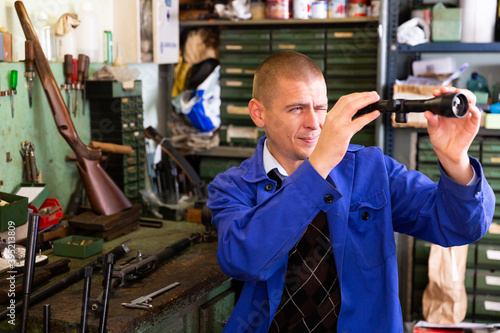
<point x="367" y="197"/>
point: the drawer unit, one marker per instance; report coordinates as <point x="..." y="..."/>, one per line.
<point x="241" y="52"/>
<point x="483" y="260"/>
<point x="351" y="62"/>
<point x="117" y="117"/>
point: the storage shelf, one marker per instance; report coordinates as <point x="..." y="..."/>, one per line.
<point x="449" y="47"/>
<point x="196" y="23"/>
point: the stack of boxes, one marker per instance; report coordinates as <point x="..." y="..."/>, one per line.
<point x="482" y="276"/>
<point x="117" y="117"/>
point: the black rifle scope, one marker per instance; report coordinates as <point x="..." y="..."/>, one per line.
<point x="451" y="105"/>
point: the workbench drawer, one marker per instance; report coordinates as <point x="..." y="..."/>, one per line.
<point x="215" y="313"/>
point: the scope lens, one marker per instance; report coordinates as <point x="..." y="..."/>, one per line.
<point x="460" y="105"/>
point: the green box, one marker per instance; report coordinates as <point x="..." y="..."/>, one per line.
<point x="16" y="211"/>
<point x="61" y="248"/>
<point x="492" y="121"/>
<point x="40" y="198"/>
<point x="446" y="24"/>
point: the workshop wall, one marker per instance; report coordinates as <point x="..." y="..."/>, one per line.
<point x="37" y="124"/>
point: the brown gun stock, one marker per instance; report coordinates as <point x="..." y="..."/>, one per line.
<point x="105" y="197"/>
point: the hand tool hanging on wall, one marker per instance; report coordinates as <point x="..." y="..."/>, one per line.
<point x="142" y="266"/>
<point x="28" y="155"/>
<point x="29" y="68"/>
<point x="29" y="268"/>
<point x="119" y="251"/>
<point x="105" y="197"/>
<point x="143" y="302"/>
<point x="13" y="89"/>
<point x="80" y="80"/>
<point x="68" y="73"/>
<point x="74" y="76"/>
<point x="85" y="78"/>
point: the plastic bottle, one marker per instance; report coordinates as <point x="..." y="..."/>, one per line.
<point x="87" y="33"/>
<point x="477" y="82"/>
<point x="45" y="35"/>
<point x="479" y="86"/>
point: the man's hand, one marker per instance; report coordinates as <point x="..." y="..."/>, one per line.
<point x="339" y="128"/>
<point x="452" y="137"/>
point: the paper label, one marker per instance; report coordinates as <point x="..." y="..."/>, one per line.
<point x="234" y="83"/>
<point x="234" y="70"/>
<point x="234" y="47"/>
<point x="287" y="46"/>
<point x="240" y="110"/>
<point x="492" y="280"/>
<point x="493" y="255"/>
<point x="346" y="34"/>
<point x="491" y="306"/>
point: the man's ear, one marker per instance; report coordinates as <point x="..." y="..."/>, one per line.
<point x="256" y="109"/>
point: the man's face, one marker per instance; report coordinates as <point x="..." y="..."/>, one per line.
<point x="293" y="119"/>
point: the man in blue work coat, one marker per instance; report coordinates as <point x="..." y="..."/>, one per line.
<point x="308" y="222"/>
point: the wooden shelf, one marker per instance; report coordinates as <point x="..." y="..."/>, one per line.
<point x="281" y="22"/>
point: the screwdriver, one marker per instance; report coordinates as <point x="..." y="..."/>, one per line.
<point x="13" y="86"/>
<point x="73" y="86"/>
<point x="79" y="79"/>
<point x="85" y="77"/>
<point x="68" y="73"/>
<point x="30" y="70"/>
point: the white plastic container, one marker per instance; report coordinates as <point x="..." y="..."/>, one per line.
<point x="88" y="36"/>
<point x="319" y="9"/>
<point x="66" y="45"/>
<point x="478" y="20"/>
<point x="45" y="35"/>
<point x="301" y="9"/>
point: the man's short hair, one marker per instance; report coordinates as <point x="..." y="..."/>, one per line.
<point x="289" y="65"/>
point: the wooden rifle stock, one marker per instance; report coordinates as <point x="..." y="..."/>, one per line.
<point x="105" y="197"/>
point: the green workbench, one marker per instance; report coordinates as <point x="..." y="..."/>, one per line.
<point x="202" y="302"/>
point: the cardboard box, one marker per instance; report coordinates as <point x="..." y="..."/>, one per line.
<point x="445" y="65"/>
<point x="78" y="246"/>
<point x="36" y="193"/>
<point x="492" y="121"/>
<point x="15" y="212"/>
<point x="446" y="24"/>
<point x="7" y="46"/>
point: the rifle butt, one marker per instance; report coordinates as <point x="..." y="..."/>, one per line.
<point x="105" y="197"/>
